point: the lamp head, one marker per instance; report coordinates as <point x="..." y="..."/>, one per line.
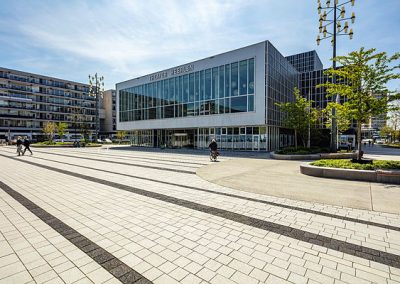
<point x="351" y="34"/>
<point x="342" y="12"/>
<point x="353" y="17"/>
<point x="346" y="27"/>
<point x="338" y="26"/>
<point x="328" y="3"/>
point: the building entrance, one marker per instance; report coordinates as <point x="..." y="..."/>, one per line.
<point x="175" y="138"/>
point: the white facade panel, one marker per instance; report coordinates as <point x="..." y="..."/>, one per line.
<point x="257" y="117"/>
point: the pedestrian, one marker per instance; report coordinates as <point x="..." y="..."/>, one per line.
<point x="19" y="145"/>
<point x="27" y="143"/>
<point x="369" y="143"/>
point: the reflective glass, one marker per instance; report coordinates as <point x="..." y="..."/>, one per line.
<point x="251" y="76"/>
<point x="214" y="93"/>
<point x="239" y="104"/>
<point x="234" y="79"/>
<point x="221" y="82"/>
<point x="207" y="84"/>
<point x="250" y="103"/>
<point x="243" y="77"/>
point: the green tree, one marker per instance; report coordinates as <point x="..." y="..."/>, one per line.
<point x="61" y="127"/>
<point x="343" y="119"/>
<point x="362" y="80"/>
<point x="49" y="128"/>
<point x="121" y="135"/>
<point x="300" y="116"/>
<point x="386" y="132"/>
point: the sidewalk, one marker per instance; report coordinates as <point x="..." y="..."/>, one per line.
<point x="283" y="179"/>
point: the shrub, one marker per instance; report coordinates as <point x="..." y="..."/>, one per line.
<point x="302" y="151"/>
<point x="348" y="164"/>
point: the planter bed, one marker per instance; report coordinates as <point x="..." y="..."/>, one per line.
<point x="383" y="176"/>
<point x="319" y="156"/>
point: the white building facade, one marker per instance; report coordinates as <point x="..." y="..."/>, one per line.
<point x="231" y="97"/>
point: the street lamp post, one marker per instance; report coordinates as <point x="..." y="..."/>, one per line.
<point x="337" y="30"/>
<point x="96" y="90"/>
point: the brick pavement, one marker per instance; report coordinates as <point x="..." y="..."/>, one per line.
<point x="219" y="238"/>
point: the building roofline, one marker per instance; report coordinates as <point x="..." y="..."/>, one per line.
<point x="191" y="62"/>
<point x="39" y="75"/>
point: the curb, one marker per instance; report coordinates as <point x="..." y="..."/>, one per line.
<point x="320" y="156"/>
<point x="383" y="176"/>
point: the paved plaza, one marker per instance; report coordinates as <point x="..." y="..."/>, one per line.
<point x="145" y="216"/>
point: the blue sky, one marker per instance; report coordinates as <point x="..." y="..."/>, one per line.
<point x="123" y="39"/>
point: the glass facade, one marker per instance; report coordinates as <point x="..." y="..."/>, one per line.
<point x="306" y="61"/>
<point x="224" y="89"/>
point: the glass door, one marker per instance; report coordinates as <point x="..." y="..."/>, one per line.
<point x="256" y="144"/>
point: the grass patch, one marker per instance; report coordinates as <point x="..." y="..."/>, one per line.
<point x="348" y="164"/>
<point x="302" y="151"/>
<point x="397" y="145"/>
<point x="62" y="144"/>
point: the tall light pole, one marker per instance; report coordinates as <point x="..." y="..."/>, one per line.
<point x="340" y="27"/>
<point x="96" y="90"/>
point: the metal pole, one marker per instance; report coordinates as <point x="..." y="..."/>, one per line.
<point x="309" y="126"/>
<point x="336" y="98"/>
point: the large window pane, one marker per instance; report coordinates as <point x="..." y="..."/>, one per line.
<point x="176" y="90"/>
<point x="251" y="76"/>
<point x="185" y="88"/>
<point x="202" y="85"/>
<point x="227" y="80"/>
<point x="221" y="82"/>
<point x="169" y="111"/>
<point x="159" y="92"/>
<point x="191" y="87"/>
<point x="180" y="92"/>
<point x="197" y="86"/>
<point x="165" y="92"/>
<point x="214" y="93"/>
<point x="250" y="103"/>
<point x="171" y="91"/>
<point x="239" y="104"/>
<point x="221" y="106"/>
<point x="207" y="84"/>
<point x="243" y="77"/>
<point x="234" y="79"/>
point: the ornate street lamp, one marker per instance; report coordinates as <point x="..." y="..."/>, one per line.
<point x="96" y="90"/>
<point x="339" y="27"/>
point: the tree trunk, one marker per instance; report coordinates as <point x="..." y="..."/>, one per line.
<point x="295" y="138"/>
<point x="359" y="140"/>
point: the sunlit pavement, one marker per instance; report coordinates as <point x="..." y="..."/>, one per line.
<point x="111" y="216"/>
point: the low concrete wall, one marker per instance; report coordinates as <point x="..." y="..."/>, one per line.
<point x="320" y="156"/>
<point x="383" y="176"/>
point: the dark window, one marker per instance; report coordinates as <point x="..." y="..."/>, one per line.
<point x="234" y="79"/>
<point x="239" y="104"/>
<point x="243" y="77"/>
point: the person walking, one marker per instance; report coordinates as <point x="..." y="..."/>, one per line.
<point x="27" y="143"/>
<point x="19" y="145"/>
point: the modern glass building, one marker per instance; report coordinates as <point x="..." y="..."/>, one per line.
<point x="231" y="97"/>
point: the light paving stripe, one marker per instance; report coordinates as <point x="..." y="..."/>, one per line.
<point x="344" y="218"/>
<point x="122" y="163"/>
<point x="116" y="267"/>
<point x="102" y="153"/>
<point x="352" y="249"/>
